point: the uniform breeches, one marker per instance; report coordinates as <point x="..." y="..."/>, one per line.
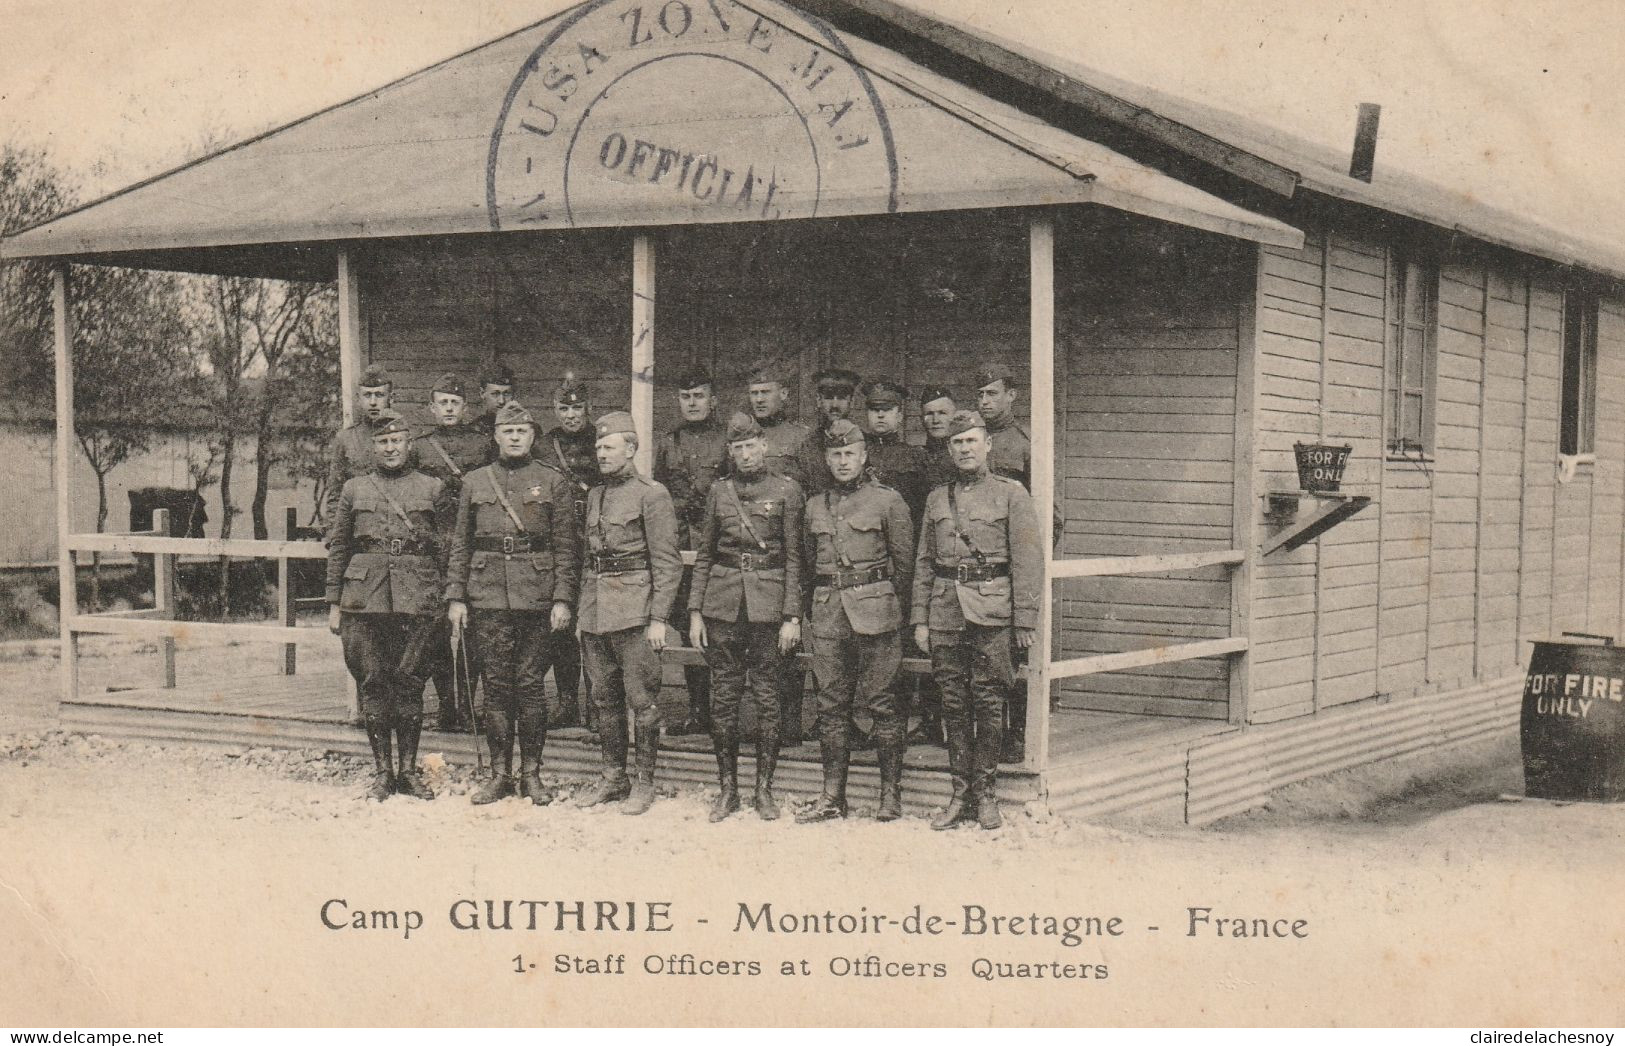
<point x="744" y="656"/>
<point x="513" y="647"/>
<point x="856" y="673"/>
<point x="625" y="673"/>
<point x="388" y="655"/>
<point x="974" y="671"/>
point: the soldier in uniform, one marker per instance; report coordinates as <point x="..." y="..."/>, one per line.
<point x="978" y="574"/>
<point x="859" y="543"/>
<point x="448" y="450"/>
<point x="383" y="594"/>
<point x="936" y="410"/>
<point x="836" y="387"/>
<point x="516" y="561"/>
<point x="568" y="447"/>
<point x="1012" y="454"/>
<point x="745" y="606"/>
<point x="786" y="441"/>
<point x="496" y="389"/>
<point x="688" y="460"/>
<point x="352" y="452"/>
<point x="629" y="582"/>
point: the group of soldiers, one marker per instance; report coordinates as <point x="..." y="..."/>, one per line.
<point x="485" y="548"/>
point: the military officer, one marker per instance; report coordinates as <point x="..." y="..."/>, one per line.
<point x="449" y="449"/>
<point x="836" y="388"/>
<point x="513" y="579"/>
<point x="978" y="574"/>
<point x="352" y="451"/>
<point x="859" y="542"/>
<point x="1012" y="453"/>
<point x="745" y="606"/>
<point x="496" y="388"/>
<point x="936" y="410"/>
<point x="786" y="441"/>
<point x="688" y="460"/>
<point x="629" y="582"/>
<point x="383" y="594"/>
<point x="568" y="447"/>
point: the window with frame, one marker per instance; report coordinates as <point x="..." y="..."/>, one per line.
<point x="1413" y="370"/>
<point x="1578" y="433"/>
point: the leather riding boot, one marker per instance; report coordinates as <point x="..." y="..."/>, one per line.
<point x="727" y="801"/>
<point x="643" y="786"/>
<point x="984" y="776"/>
<point x="960" y="807"/>
<point x="987" y="800"/>
<point x="613" y="785"/>
<point x="569" y="713"/>
<point x="831" y="804"/>
<point x="530" y="769"/>
<point x="1014" y="747"/>
<point x="794" y="692"/>
<point x="409" y="781"/>
<point x="382" y="784"/>
<point x="499" y="743"/>
<point x="891" y="782"/>
<point x="767" y="761"/>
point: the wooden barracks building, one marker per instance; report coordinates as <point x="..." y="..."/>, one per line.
<point x="630" y="189"/>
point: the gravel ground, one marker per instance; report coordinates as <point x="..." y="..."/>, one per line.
<point x="164" y="885"/>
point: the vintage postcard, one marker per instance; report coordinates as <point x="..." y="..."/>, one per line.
<point x="811" y="513"/>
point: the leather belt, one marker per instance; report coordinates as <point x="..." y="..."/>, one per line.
<point x="966" y="573"/>
<point x="854" y="578"/>
<point x="509" y="545"/>
<point x="396" y="546"/>
<point x="599" y="564"/>
<point x="750" y="560"/>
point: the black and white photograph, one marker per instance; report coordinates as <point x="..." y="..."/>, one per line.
<point x="812" y="513"/>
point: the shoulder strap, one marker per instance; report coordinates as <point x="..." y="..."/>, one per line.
<point x="434" y="442"/>
<point x="959" y="524"/>
<point x="744" y="519"/>
<point x="395" y="506"/>
<point x="502" y="499"/>
<point x="564" y="465"/>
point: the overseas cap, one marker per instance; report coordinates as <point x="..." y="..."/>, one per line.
<point x="571" y="390"/>
<point x="843" y="433"/>
<point x="886" y="394"/>
<point x="764" y="371"/>
<point x="932" y="393"/>
<point x="389" y="422"/>
<point x="693" y="379"/>
<point x="837" y="380"/>
<point x="449" y="384"/>
<point x="512" y="413"/>
<point x="964" y="421"/>
<point x="497" y="374"/>
<point x="742" y="426"/>
<point x="374" y="377"/>
<point x="994" y="372"/>
<point x="616" y="421"/>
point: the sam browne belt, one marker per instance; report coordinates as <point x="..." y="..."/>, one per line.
<point x="600" y="564"/>
<point x="854" y="578"/>
<point x="396" y="546"/>
<point x="966" y="573"/>
<point x="750" y="560"/>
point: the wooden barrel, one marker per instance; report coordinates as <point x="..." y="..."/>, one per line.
<point x="1573" y="725"/>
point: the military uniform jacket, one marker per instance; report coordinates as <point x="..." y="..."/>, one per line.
<point x="687" y="461"/>
<point x="786" y="445"/>
<point x="1012" y="454"/>
<point x="365" y="579"/>
<point x="939" y="465"/>
<point x="1000" y="523"/>
<point x="858" y="530"/>
<point x="900" y="465"/>
<point x="449" y="453"/>
<point x="514" y="577"/>
<point x="352" y="455"/>
<point x="770" y="590"/>
<point x="574" y="455"/>
<point x="629" y="517"/>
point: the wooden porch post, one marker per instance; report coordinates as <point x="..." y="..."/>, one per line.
<point x="352" y="337"/>
<point x="352" y="332"/>
<point x="1041" y="254"/>
<point x="642" y="404"/>
<point x="67" y="577"/>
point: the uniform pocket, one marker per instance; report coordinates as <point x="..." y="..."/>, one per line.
<point x="357" y="589"/>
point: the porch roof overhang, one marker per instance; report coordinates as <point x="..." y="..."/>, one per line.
<point x="606" y="116"/>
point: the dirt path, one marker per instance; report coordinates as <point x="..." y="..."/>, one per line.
<point x="145" y="885"/>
